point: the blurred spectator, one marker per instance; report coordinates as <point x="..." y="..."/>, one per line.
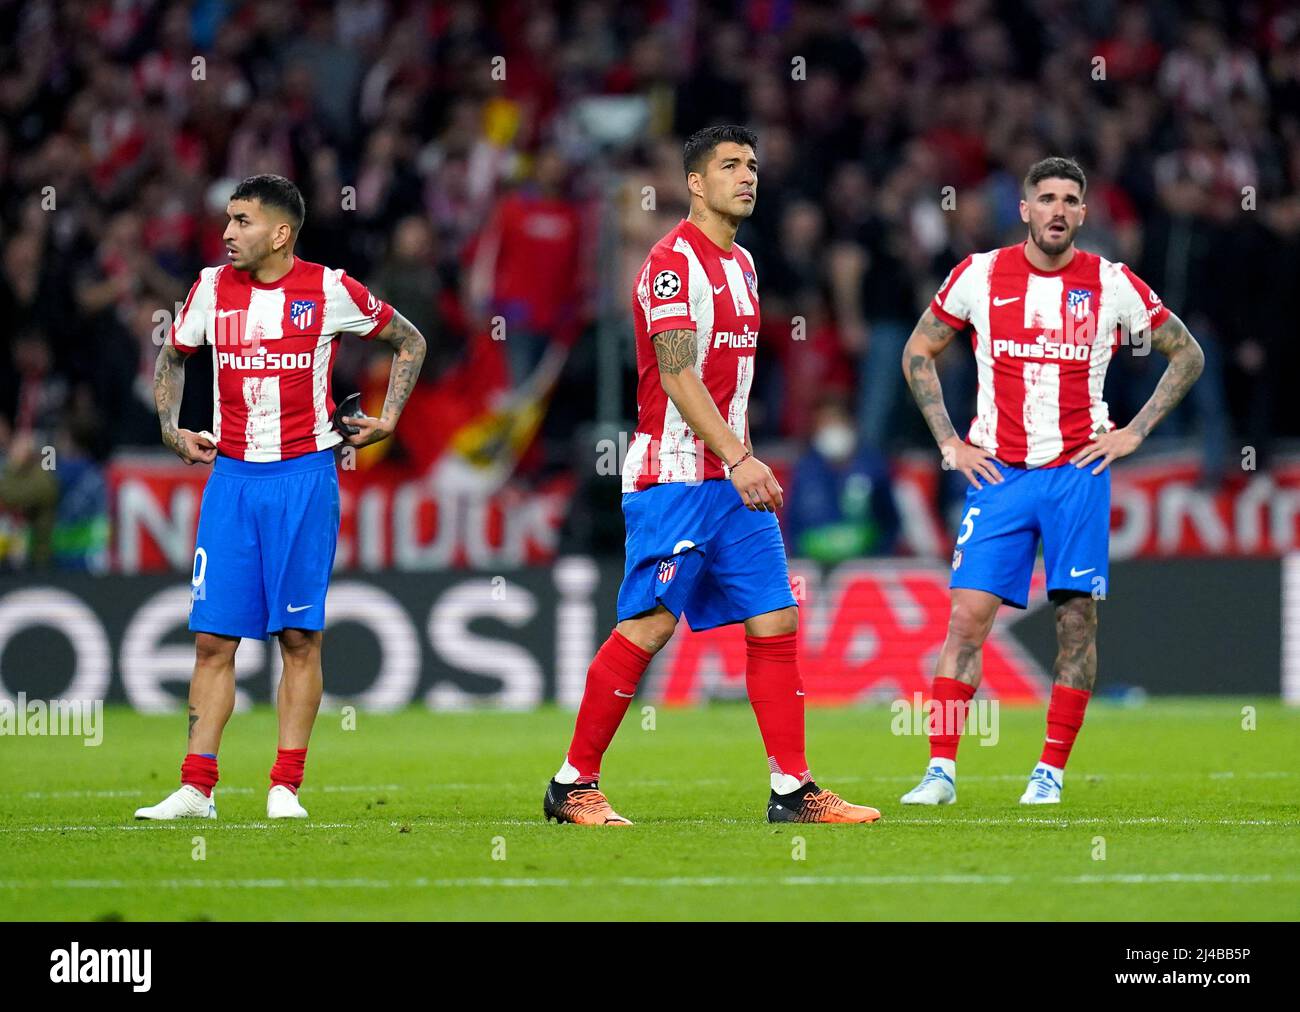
<point x="79" y="539"/>
<point x="840" y="504"/>
<point x="527" y="270"/>
<point x="35" y="395"/>
<point x="875" y="298"/>
<point x="29" y="495"/>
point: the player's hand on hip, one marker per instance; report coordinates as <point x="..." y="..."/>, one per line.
<point x="973" y="462"/>
<point x="757" y="485"/>
<point x="1107" y="446"/>
<point x="193" y="447"/>
<point x="370" y="430"/>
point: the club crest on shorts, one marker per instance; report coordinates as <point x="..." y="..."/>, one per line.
<point x="1079" y="302"/>
<point x="667" y="570"/>
<point x="666" y="284"/>
<point x="302" y="312"/>
<point x="956" y="558"/>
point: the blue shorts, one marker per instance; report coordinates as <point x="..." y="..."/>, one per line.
<point x="265" y="547"/>
<point x="1067" y="506"/>
<point x="696" y="549"/>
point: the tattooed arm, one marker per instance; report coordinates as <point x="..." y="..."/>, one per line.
<point x="676" y="351"/>
<point x="1186" y="360"/>
<point x="928" y="339"/>
<point x="168" y="385"/>
<point x="409" y="347"/>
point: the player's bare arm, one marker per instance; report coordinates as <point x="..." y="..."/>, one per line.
<point x="930" y="337"/>
<point x="168" y="386"/>
<point x="1186" y="360"/>
<point x="409" y="348"/>
<point x="675" y="352"/>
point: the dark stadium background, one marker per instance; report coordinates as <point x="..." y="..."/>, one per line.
<point x="498" y="172"/>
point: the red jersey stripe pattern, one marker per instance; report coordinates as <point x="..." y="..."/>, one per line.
<point x="1042" y="342"/>
<point x="273" y="349"/>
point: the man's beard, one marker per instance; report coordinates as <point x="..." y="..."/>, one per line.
<point x="1053" y="247"/>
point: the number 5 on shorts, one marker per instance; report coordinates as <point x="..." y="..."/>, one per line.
<point x="968" y="525"/>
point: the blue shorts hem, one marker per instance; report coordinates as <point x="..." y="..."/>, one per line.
<point x="776" y="604"/>
<point x="1073" y="590"/>
<point x="209" y="628"/>
<point x="996" y="592"/>
<point x="303" y="626"/>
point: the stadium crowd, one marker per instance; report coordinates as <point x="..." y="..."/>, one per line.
<point x="452" y="159"/>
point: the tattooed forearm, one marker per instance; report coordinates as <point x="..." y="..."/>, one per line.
<point x="410" y="348"/>
<point x="1186" y="360"/>
<point x="675" y="350"/>
<point x="1076" y="643"/>
<point x="168" y="386"/>
<point x="923" y="378"/>
<point x="930" y="337"/>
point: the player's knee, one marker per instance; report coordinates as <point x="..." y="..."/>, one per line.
<point x="968" y="623"/>
<point x="298" y="643"/>
<point x="774" y="623"/>
<point x="650" y="632"/>
<point x="210" y="649"/>
<point x="1076" y="621"/>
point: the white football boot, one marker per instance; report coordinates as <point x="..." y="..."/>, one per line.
<point x="187" y="803"/>
<point x="937" y="787"/>
<point x="1044" y="786"/>
<point x="282" y="803"/>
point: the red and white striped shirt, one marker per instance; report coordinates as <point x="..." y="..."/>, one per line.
<point x="1042" y="342"/>
<point x="273" y="348"/>
<point x="688" y="282"/>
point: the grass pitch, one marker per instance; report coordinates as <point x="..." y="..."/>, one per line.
<point x="1172" y="811"/>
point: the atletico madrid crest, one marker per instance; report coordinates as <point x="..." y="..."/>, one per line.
<point x="1079" y="302"/>
<point x="667" y="570"/>
<point x="302" y="312"/>
<point x="956" y="558"/>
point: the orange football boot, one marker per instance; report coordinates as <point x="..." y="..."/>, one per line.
<point x="581" y="805"/>
<point x="820" y="805"/>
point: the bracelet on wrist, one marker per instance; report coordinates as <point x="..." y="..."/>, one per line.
<point x="744" y="457"/>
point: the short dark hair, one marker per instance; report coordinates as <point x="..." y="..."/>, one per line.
<point x="274" y="191"/>
<point x="701" y="144"/>
<point x="1055" y="167"/>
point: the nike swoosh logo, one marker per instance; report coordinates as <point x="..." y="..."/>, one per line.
<point x="797" y="692"/>
<point x="1003" y="302"/>
<point x="1081" y="572"/>
<point x="1055" y="741"/>
<point x="229" y="312"/>
<point x="301" y="607"/>
<point x="623" y="695"/>
<point x="718" y="290"/>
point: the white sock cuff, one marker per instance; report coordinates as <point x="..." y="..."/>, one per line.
<point x="568" y="773"/>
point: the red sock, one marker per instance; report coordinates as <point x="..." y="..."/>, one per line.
<point x="611" y="683"/>
<point x="287" y="771"/>
<point x="1064" y="718"/>
<point x="949" y="704"/>
<point x="776" y="694"/>
<point x="200" y="771"/>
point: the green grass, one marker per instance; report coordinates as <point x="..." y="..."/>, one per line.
<point x="1198" y="816"/>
